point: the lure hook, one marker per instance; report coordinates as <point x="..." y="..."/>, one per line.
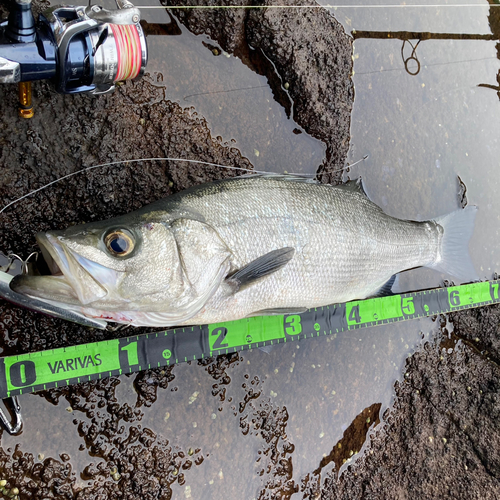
<point x="24" y="263"/>
<point x="15" y="426"/>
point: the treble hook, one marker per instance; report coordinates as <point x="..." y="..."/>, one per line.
<point x="12" y="428"/>
<point x="24" y="263"/>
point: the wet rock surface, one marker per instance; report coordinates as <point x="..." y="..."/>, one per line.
<point x="439" y="440"/>
<point x="311" y="55"/>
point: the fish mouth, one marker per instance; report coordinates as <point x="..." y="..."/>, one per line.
<point x="74" y="280"/>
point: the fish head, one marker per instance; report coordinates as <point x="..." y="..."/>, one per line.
<point x="167" y="269"/>
<point x="116" y="263"/>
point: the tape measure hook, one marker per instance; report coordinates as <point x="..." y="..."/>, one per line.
<point x="15" y="426"/>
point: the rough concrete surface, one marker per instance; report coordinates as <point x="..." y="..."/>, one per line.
<point x="441" y="437"/>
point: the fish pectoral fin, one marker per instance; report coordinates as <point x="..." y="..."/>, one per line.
<point x="386" y="288"/>
<point x="276" y="311"/>
<point x="202" y="253"/>
<point x="260" y="268"/>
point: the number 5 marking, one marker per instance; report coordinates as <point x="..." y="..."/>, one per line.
<point x="407" y="306"/>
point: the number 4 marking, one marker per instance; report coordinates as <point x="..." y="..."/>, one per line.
<point x="354" y="315"/>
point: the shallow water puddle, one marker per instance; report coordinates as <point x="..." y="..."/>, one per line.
<point x="258" y="424"/>
<point x="423" y="131"/>
<point x="237" y="103"/>
<point x="296" y="402"/>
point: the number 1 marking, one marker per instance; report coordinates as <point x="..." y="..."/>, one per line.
<point x="132" y="356"/>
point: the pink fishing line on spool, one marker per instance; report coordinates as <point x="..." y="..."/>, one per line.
<point x="128" y="46"/>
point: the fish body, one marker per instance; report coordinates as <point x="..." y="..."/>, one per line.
<point x="247" y="246"/>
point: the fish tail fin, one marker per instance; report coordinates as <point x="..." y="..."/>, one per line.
<point x="455" y="260"/>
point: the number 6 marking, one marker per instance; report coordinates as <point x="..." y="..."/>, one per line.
<point x="455" y="298"/>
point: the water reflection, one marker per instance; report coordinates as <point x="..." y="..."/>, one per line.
<point x="422" y="113"/>
<point x="409" y="48"/>
<point x="234" y="95"/>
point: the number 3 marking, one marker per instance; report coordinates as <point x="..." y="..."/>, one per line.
<point x="295" y="325"/>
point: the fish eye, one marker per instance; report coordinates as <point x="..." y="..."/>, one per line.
<point x="119" y="242"/>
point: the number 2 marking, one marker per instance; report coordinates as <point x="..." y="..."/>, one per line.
<point x="221" y="332"/>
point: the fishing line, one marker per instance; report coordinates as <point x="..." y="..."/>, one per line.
<point x="114" y="163"/>
<point x="449" y="63"/>
<point x="137" y="160"/>
<point x="224" y="91"/>
<point x="324" y="6"/>
<point x="129" y="51"/>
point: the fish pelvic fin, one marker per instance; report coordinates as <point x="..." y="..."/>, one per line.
<point x="260" y="268"/>
<point x="454" y="259"/>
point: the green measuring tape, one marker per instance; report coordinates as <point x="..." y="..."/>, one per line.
<point x="71" y="365"/>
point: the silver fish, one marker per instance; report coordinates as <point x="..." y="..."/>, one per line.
<point x="248" y="246"/>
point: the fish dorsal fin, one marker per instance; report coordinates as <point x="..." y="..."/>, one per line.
<point x="261" y="267"/>
<point x="356" y="186"/>
<point x="202" y="252"/>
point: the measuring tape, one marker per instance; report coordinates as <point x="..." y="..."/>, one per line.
<point x="71" y="365"/>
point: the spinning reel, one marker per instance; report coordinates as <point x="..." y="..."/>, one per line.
<point x="82" y="49"/>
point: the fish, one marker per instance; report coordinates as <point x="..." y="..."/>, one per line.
<point x="242" y="247"/>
